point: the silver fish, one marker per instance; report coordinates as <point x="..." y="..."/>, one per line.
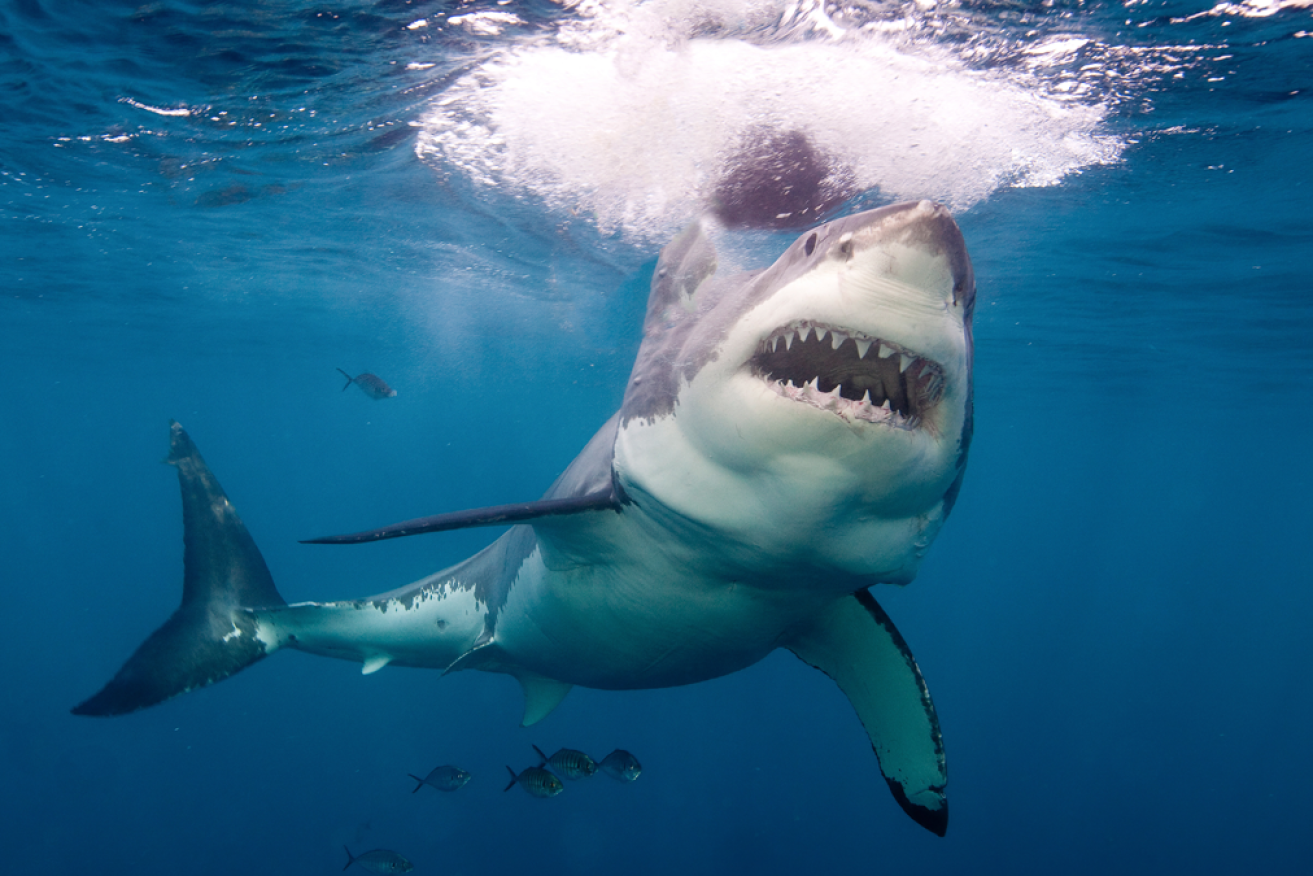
<point x="444" y="778"/>
<point x="371" y="384"/>
<point x="379" y="861"/>
<point x="571" y="764"/>
<point x="537" y="781"/>
<point x="621" y="765"/>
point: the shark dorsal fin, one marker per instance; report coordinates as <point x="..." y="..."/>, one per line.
<point x="684" y="264"/>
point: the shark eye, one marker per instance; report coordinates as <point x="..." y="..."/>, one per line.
<point x="810" y="246"/>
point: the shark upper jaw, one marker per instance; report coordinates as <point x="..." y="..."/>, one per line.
<point x="852" y="374"/>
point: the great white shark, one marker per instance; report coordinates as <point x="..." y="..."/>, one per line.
<point x="788" y="438"/>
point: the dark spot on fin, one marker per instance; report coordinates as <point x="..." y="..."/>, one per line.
<point x="933" y="820"/>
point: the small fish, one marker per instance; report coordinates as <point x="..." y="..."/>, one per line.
<point x="371" y="384"/>
<point x="537" y="781"/>
<point x="569" y="763"/>
<point x="379" y="861"/>
<point x="621" y="765"/>
<point x="444" y="778"/>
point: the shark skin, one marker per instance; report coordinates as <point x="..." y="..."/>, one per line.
<point x="788" y="439"/>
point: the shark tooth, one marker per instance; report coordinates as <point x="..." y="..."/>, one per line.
<point x="863" y="345"/>
<point x="788" y="340"/>
<point x="903" y="361"/>
<point x="837" y="339"/>
<point x="886" y="351"/>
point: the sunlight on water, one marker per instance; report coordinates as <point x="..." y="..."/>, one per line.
<point x="630" y="115"/>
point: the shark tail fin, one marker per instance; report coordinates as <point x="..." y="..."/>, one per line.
<point x="213" y="634"/>
<point x="349" y="379"/>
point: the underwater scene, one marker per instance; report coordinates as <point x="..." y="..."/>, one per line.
<point x="628" y="356"/>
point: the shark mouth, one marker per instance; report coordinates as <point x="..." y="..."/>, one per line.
<point x="850" y="374"/>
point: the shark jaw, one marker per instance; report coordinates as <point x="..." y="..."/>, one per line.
<point x="849" y="373"/>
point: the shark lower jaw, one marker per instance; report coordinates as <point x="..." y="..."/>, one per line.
<point x="851" y="374"/>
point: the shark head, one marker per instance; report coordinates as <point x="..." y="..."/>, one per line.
<point x="816" y="414"/>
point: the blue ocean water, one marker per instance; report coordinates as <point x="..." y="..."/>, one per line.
<point x="208" y="207"/>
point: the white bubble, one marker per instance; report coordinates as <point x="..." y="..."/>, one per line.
<point x="628" y="115"/>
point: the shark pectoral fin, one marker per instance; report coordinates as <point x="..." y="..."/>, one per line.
<point x="374" y="663"/>
<point x="856" y="644"/>
<point x="604" y="499"/>
<point x="541" y="696"/>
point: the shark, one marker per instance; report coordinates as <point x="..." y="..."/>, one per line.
<point x="788" y="438"/>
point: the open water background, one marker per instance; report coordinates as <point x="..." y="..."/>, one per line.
<point x="208" y="207"/>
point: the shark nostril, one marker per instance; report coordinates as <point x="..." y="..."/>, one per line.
<point x="845" y="247"/>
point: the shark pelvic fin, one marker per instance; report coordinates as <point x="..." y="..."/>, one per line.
<point x="213" y="633"/>
<point x="541" y="696"/>
<point x="856" y="644"/>
<point x="607" y="499"/>
<point x="374" y="663"/>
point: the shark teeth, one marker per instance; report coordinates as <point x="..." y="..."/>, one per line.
<point x="835" y="370"/>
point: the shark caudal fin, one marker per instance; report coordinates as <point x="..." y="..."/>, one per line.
<point x="212" y="635"/>
<point x="856" y="644"/>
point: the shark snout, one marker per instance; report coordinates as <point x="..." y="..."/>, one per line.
<point x="918" y="246"/>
